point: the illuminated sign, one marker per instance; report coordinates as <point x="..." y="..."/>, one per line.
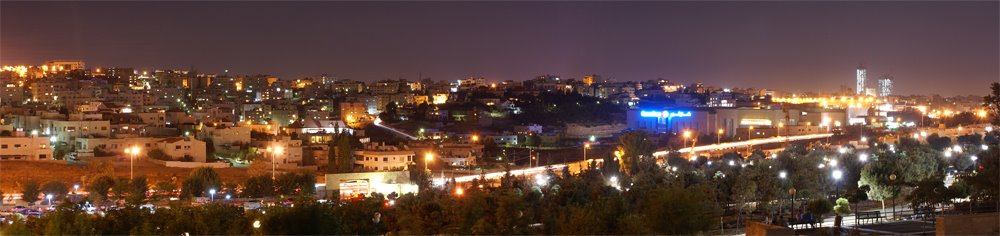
<point x="665" y="114"/>
<point x="762" y="122"/>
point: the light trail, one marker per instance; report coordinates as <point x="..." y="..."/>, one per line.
<point x="760" y="141"/>
<point x="378" y="122"/>
<point x="542" y="169"/>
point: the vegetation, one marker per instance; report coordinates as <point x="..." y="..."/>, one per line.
<point x="631" y="193"/>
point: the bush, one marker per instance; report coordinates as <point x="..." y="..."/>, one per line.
<point x="843" y="206"/>
<point x="820" y="206"/>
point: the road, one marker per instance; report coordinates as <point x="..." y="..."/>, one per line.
<point x="576" y="166"/>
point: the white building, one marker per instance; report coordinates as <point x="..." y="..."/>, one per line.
<point x="25" y="148"/>
<point x="384" y="158"/>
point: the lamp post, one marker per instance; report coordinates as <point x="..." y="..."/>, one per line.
<point x="782" y="175"/>
<point x="718" y="136"/>
<point x="892" y="179"/>
<point x="49" y="198"/>
<point x="837" y="174"/>
<point x="585" y="147"/>
<point x="131" y="162"/>
<point x="277" y="151"/>
<point x="211" y="192"/>
<point x="427" y="158"/>
<point x="749" y="144"/>
<point x="686" y="135"/>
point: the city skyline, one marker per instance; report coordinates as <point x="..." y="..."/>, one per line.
<point x="808" y="45"/>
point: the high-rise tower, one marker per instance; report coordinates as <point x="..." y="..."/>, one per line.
<point x="885" y="85"/>
<point x="860" y="89"/>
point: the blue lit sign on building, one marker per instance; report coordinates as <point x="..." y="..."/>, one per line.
<point x="664" y="114"/>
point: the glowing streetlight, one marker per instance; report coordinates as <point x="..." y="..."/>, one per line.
<point x="475" y="138"/>
<point x="718" y="136"/>
<point x="427" y="158"/>
<point x="76" y="188"/>
<point x="275" y="151"/>
<point x="133" y="151"/>
<point x="782" y="174"/>
<point x="585" y="147"/>
<point x="984" y="147"/>
<point x="211" y="192"/>
<point x="863" y="157"/>
<point x="459" y="191"/>
<point x="49" y="198"/>
<point x="256" y="224"/>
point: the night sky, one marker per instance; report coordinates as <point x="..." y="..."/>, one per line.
<point x="929" y="47"/>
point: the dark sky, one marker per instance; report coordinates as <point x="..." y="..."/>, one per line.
<point x="929" y="47"/>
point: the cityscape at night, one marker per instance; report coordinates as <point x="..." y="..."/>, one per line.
<point x="500" y="118"/>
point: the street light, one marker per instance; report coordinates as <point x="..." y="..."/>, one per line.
<point x="133" y="152"/>
<point x="718" y="136"/>
<point x="211" y="192"/>
<point x="49" y="197"/>
<point x="76" y="188"/>
<point x="428" y="157"/>
<point x="892" y="179"/>
<point x="585" y="147"/>
<point x="863" y="157"/>
<point x="475" y="138"/>
<point x="782" y="174"/>
<point x="749" y="136"/>
<point x="275" y="152"/>
<point x="837" y="174"/>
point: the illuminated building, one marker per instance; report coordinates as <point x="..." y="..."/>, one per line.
<point x="709" y="120"/>
<point x="862" y="72"/>
<point x="885" y="86"/>
<point x="63" y="65"/>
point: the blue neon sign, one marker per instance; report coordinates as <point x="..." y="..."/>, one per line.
<point x="664" y="114"/>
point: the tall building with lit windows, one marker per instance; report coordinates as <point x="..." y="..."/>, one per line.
<point x="860" y="89"/>
<point x="885" y="85"/>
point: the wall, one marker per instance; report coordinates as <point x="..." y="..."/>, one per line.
<point x="181" y="164"/>
<point x="978" y="224"/>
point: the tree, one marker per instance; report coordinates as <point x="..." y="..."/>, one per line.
<point x="30" y="191"/>
<point x="819" y="207"/>
<point x="340" y="157"/>
<point x="880" y="177"/>
<point x="258" y="186"/>
<point x="992" y="103"/>
<point x="58" y="189"/>
<point x="930" y="193"/>
<point x="635" y="147"/>
<point x="843" y="207"/>
<point x="677" y="210"/>
<point x="137" y="191"/>
<point x="391" y="113"/>
<point x="100" y="187"/>
<point x="200" y="181"/>
<point x="164" y="189"/>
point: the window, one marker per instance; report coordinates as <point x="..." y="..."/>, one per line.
<point x="42" y="156"/>
<point x="3" y="146"/>
<point x="16" y="146"/>
<point x="384" y="159"/>
<point x="178" y="147"/>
